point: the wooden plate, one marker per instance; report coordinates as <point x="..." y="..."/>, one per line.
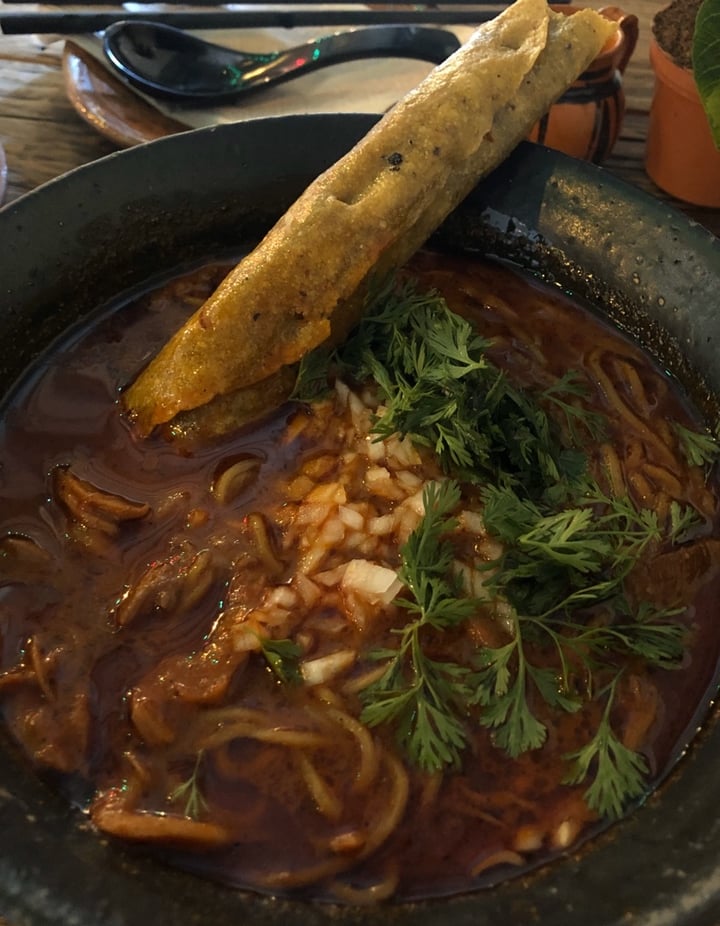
<point x="109" y="107"/>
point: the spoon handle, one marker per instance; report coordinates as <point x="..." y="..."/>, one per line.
<point x="421" y="43"/>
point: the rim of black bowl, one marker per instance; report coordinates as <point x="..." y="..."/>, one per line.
<point x="660" y="866"/>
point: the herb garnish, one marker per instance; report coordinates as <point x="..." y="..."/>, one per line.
<point x="568" y="550"/>
<point x="282" y="656"/>
<point x="428" y="701"/>
<point x="440" y="388"/>
<point x="619" y="772"/>
<point x="422" y="697"/>
<point x="700" y="448"/>
<point x="575" y="556"/>
<point x="191" y="792"/>
<point x="585" y="654"/>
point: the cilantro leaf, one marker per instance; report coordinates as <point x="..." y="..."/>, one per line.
<point x="580" y="422"/>
<point x="619" y="772"/>
<point x="700" y="447"/>
<point x="502" y="693"/>
<point x="190" y="791"/>
<point x="282" y="656"/>
<point x="313" y="375"/>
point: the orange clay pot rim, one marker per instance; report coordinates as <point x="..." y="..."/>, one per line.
<point x="612" y="44"/>
<point x="680" y="78"/>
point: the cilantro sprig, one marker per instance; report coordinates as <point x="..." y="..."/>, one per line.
<point x="190" y="791"/>
<point x="509" y="681"/>
<point x="423" y="698"/>
<point x="618" y="773"/>
<point x="700" y="447"/>
<point x="439" y="387"/>
<point x="283" y="658"/>
<point x="557" y="566"/>
<point x="502" y="691"/>
<point x="565" y="558"/>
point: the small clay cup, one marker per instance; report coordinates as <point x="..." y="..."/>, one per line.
<point x="586" y="120"/>
<point x="681" y="157"/>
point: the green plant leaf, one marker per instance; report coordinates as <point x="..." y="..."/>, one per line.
<point x="706" y="62"/>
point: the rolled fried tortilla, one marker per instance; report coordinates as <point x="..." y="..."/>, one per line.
<point x="366" y="215"/>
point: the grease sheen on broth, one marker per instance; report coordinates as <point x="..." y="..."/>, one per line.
<point x="138" y="579"/>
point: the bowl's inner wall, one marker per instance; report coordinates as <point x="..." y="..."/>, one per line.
<point x="84" y="239"/>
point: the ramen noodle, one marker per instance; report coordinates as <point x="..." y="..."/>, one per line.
<point x="190" y="638"/>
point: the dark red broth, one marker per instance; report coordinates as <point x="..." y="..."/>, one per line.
<point x="127" y="574"/>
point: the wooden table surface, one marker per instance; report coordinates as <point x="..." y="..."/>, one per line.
<point x="43" y="136"/>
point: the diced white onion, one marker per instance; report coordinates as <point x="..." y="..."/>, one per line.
<point x="330" y="577"/>
<point x="276" y="617"/>
<point x="376" y="584"/>
<point x="351" y="517"/>
<point x="313" y="559"/>
<point x="359" y="412"/>
<point x="415" y="502"/>
<point x="383" y="524"/>
<point x="333" y="531"/>
<point x="281" y="596"/>
<point x="407" y="479"/>
<point x="309" y="592"/>
<point x="343" y="393"/>
<point x="380" y="482"/>
<point x="375" y="449"/>
<point x="245" y="637"/>
<point x="328" y="493"/>
<point x="402" y="451"/>
<point x="472" y="522"/>
<point x="320" y="670"/>
<point x="313" y="513"/>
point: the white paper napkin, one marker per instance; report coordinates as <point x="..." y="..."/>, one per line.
<point x="370" y="85"/>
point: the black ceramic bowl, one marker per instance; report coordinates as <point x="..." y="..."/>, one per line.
<point x="86" y="237"/>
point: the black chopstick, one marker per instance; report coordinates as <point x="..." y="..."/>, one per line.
<point x="14" y="23"/>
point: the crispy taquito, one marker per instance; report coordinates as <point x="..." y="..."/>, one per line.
<point x="365" y="216"/>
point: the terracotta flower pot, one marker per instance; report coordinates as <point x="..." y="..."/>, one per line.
<point x="585" y="122"/>
<point x="681" y="156"/>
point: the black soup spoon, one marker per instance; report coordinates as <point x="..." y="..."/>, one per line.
<point x="166" y="62"/>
